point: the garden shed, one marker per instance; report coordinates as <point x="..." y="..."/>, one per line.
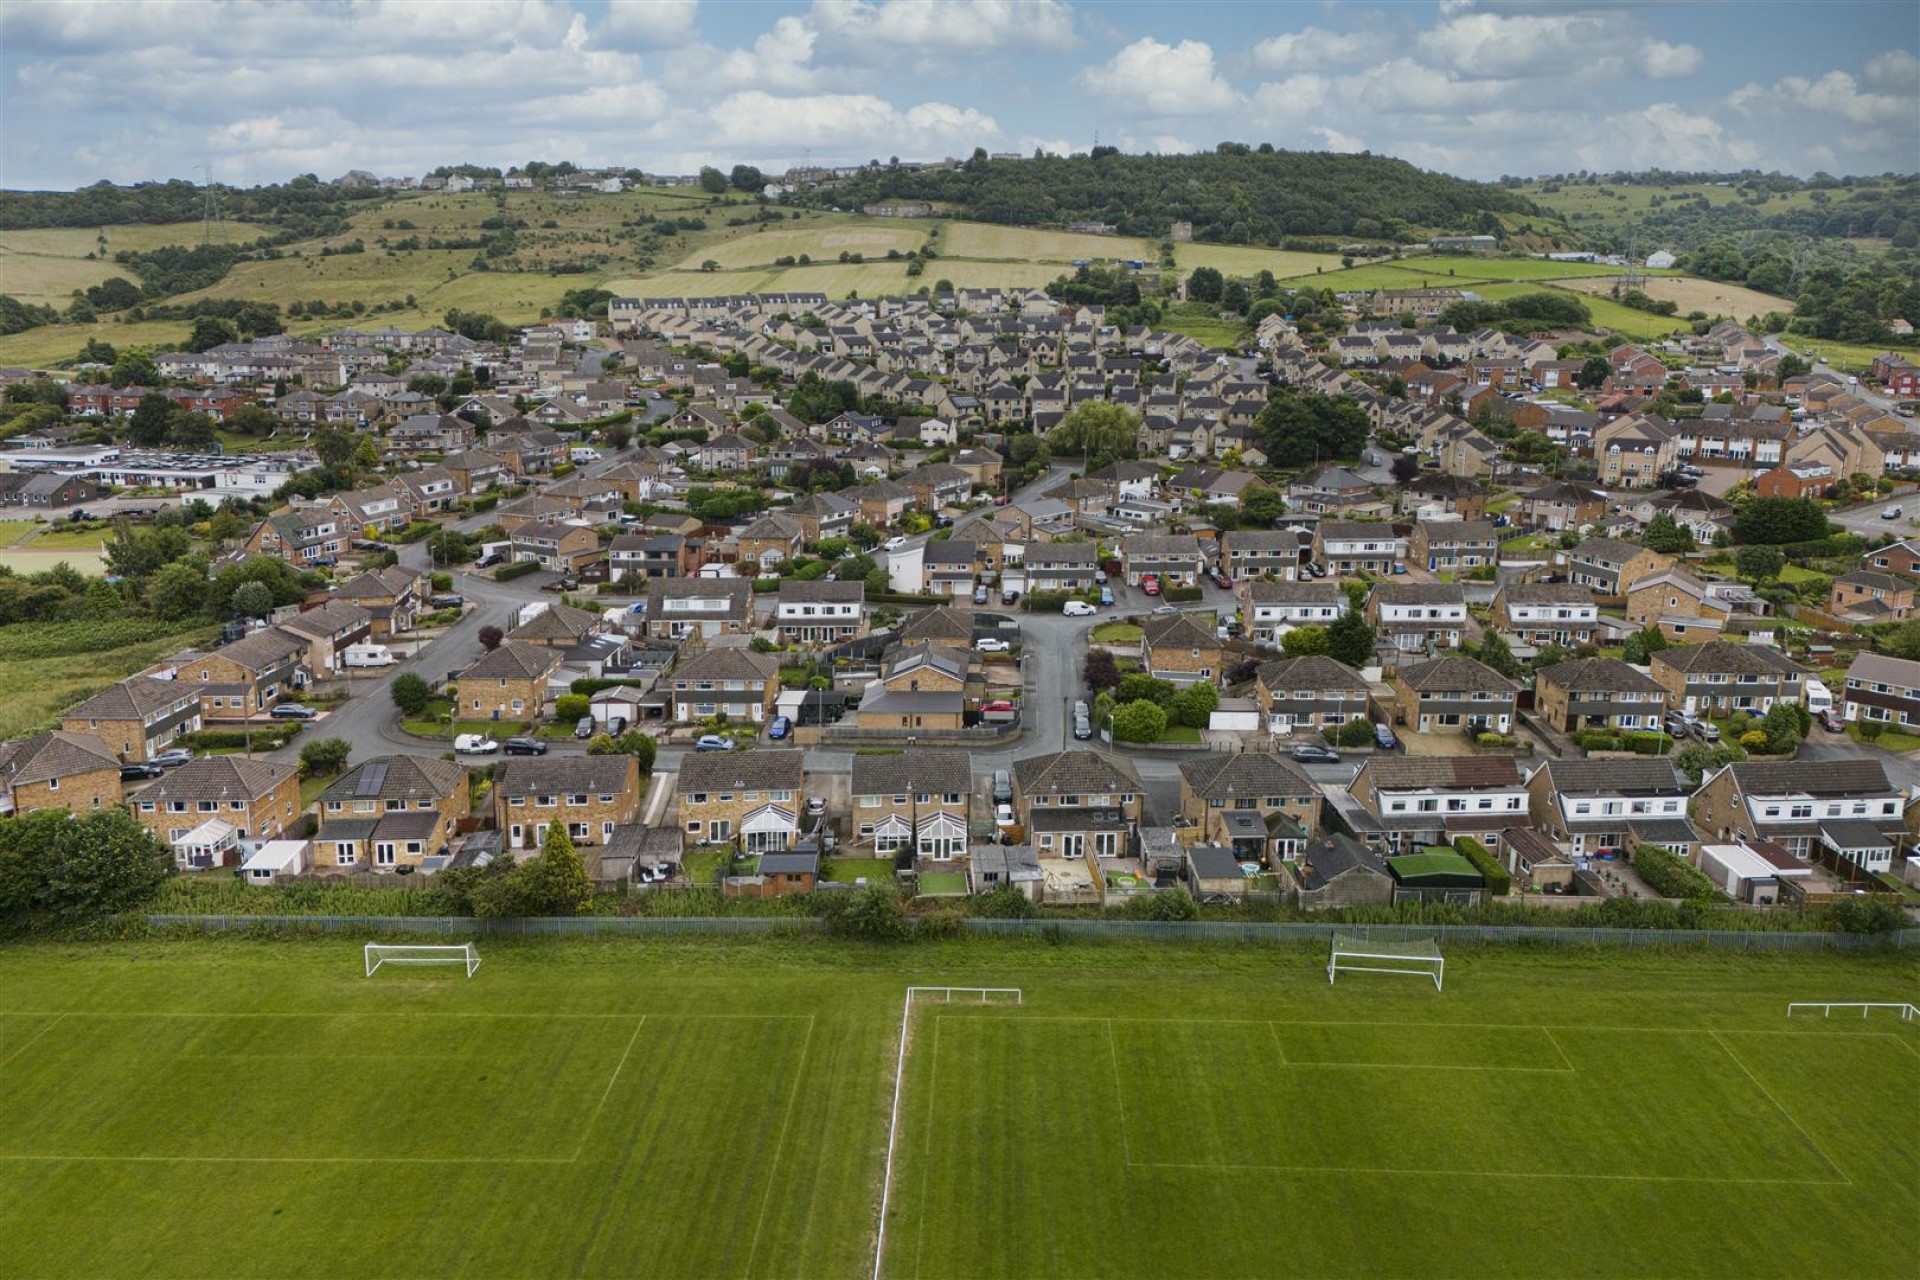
<point x="1436" y="875"/>
<point x="1213" y="873"/>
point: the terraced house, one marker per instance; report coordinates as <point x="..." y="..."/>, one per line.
<point x="915" y="799"/>
<point x="1720" y="677"/>
<point x="1454" y="694"/>
<point x="1261" y="805"/>
<point x="593" y="796"/>
<point x="139" y="717"/>
<point x="752" y="797"/>
<point x="391" y="812"/>
<point x="737" y="683"/>
<point x="1598" y="693"/>
<point x="258" y="798"/>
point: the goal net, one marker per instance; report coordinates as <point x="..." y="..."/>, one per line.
<point x="1359" y="955"/>
<point x="379" y="953"/>
<point x="1847" y="1008"/>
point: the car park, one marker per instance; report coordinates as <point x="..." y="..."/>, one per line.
<point x="991" y="644"/>
<point x="134" y="770"/>
<point x="474" y="744"/>
<point x="292" y="711"/>
<point x="713" y="742"/>
<point x="780" y="728"/>
<point x="1305" y="754"/>
<point x="172" y="756"/>
<point x="583" y="727"/>
<point x="525" y="746"/>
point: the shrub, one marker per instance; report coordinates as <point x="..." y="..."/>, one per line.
<point x="1499" y="883"/>
<point x="571" y="706"/>
<point x="518" y="569"/>
<point x="1048" y="601"/>
<point x="1753" y="740"/>
<point x="410" y="694"/>
<point x="1494" y="740"/>
<point x="1004" y="903"/>
<point x="1646" y="744"/>
<point x="1166" y="904"/>
<point x="1357" y="732"/>
<point x="873" y="914"/>
<point x="1668" y="875"/>
<point x="1139" y="721"/>
<point x="1872" y="729"/>
<point x="1196" y="702"/>
<point x="326" y="756"/>
<point x="1181" y="595"/>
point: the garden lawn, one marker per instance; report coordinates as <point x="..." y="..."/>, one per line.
<point x="1180" y="733"/>
<point x="847" y="870"/>
<point x="1116" y="633"/>
<point x="719" y="1107"/>
<point x="1889" y="740"/>
<point x="54" y="539"/>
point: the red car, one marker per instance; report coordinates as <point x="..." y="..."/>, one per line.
<point x="1221" y="580"/>
<point x="1150" y="585"/>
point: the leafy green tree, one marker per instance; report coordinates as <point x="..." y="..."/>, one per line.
<point x="1779" y="520"/>
<point x="642" y="748"/>
<point x="1303" y="642"/>
<point x="1644" y="643"/>
<point x="210" y="332"/>
<point x="561" y="877"/>
<point x="1205" y="284"/>
<point x="712" y="181"/>
<point x="570" y="706"/>
<point x="1136" y="685"/>
<point x="1261" y="506"/>
<point x="747" y="178"/>
<point x="1350" y="639"/>
<point x="1096" y="430"/>
<point x="151" y="420"/>
<point x="1497" y="655"/>
<point x="448" y="546"/>
<point x="1300" y="429"/>
<point x="134" y="369"/>
<point x="178" y="590"/>
<point x="1138" y="721"/>
<point x="1594" y="372"/>
<point x="1759" y="562"/>
<point x="410" y="693"/>
<point x="1195" y="703"/>
<point x="1665" y="535"/>
<point x="252" y="600"/>
<point x="872" y="914"/>
<point x="66" y="869"/>
<point x="325" y="757"/>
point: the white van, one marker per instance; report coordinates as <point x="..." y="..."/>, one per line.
<point x="1078" y="609"/>
<point x="368" y="655"/>
<point x="583" y="453"/>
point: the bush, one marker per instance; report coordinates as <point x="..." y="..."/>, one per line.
<point x="1195" y="703"/>
<point x="1669" y="875"/>
<point x="326" y="756"/>
<point x="1872" y="729"/>
<point x="1004" y="903"/>
<point x="1181" y="595"/>
<point x="1048" y="601"/>
<point x="1357" y="732"/>
<point x="1166" y="904"/>
<point x="1139" y="721"/>
<point x="518" y="569"/>
<point x="873" y="914"/>
<point x="1499" y="883"/>
<point x="264" y="738"/>
<point x="1646" y="744"/>
<point x="1753" y="740"/>
<point x="571" y="706"/>
<point x="410" y="694"/>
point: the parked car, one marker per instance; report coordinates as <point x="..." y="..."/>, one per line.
<point x="1383" y="737"/>
<point x="991" y="644"/>
<point x="1221" y="580"/>
<point x="1708" y="731"/>
<point x="1106" y="596"/>
<point x="1150" y="585"/>
<point x="583" y="727"/>
<point x="1892" y="513"/>
<point x="1317" y="570"/>
<point x="1314" y="755"/>
<point x="713" y="742"/>
<point x="138" y="769"/>
<point x="1830" y="721"/>
<point x="1082" y="728"/>
<point x="524" y="746"/>
<point x="1002" y="786"/>
<point x="894" y="543"/>
<point x="1002" y="500"/>
<point x="292" y="711"/>
<point x="447" y="601"/>
<point x="474" y="744"/>
<point x="1078" y="609"/>
<point x="816" y="805"/>
<point x="980" y="593"/>
<point x="1100" y="577"/>
<point x="489" y="560"/>
<point x="617" y="726"/>
<point x="172" y="756"/>
<point x="780" y="728"/>
<point x="1677" y="724"/>
<point x="1168" y="608"/>
<point x="1003" y="815"/>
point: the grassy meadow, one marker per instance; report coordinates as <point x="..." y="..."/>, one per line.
<point x="36" y="686"/>
<point x="629" y="1107"/>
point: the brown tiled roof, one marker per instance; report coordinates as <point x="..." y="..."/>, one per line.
<point x="1813" y="777"/>
<point x="514" y="660"/>
<point x="55" y="754"/>
<point x="1218" y="776"/>
<point x="132" y="699"/>
<point x="1076" y="773"/>
<point x="543" y="775"/>
<point x="1453" y="675"/>
<point x="1404" y="773"/>
<point x="1179" y="632"/>
<point x="927" y="770"/>
<point x="761" y="769"/>
<point x="1599" y="675"/>
<point x="220" y="778"/>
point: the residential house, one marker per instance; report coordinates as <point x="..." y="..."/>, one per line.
<point x="1260" y="553"/>
<point x="392" y="598"/>
<point x="1273" y="608"/>
<point x="1560" y="505"/>
<point x="593" y="795"/>
<point x="561" y="547"/>
<point x="1330" y="490"/>
<point x="1686" y="608"/>
<point x="58" y="770"/>
<point x="680" y="608"/>
<point x="1060" y="566"/>
<point x="1260" y="804"/>
<point x="1163" y="556"/>
<point x="1345" y="547"/>
<point x="819" y="612"/>
<point x="241" y="679"/>
<point x="560" y="626"/>
<point x="1454" y="694"/>
<point x="138" y="717"/>
<point x="1418" y="617"/>
<point x="1847" y="813"/>
<point x="921" y="687"/>
<point x="391" y="812"/>
<point x="1901" y="557"/>
<point x="754" y="798"/>
<point x="1598" y="693"/>
<point x="328" y="630"/>
<point x="508" y="682"/>
<point x="1309" y="694"/>
<point x="302" y="538"/>
<point x="1595" y="805"/>
<point x="950" y="567"/>
<point x="1179" y="650"/>
<point x="914" y="799"/>
<point x="1720" y="677"/>
<point x="1437" y="494"/>
<point x="1077" y="804"/>
<point x="1879" y="690"/>
<point x="1412" y="801"/>
<point x="1335" y="871"/>
<point x="1866" y="596"/>
<point x="1454" y="546"/>
<point x="641" y="557"/>
<point x="1635" y="451"/>
<point x="1543" y="613"/>
<point x="737" y="683"/>
<point x="371" y="513"/>
<point x="768" y="543"/>
<point x="1607" y="566"/>
<point x="823" y="515"/>
<point x="260" y="799"/>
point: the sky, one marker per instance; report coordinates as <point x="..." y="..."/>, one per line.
<point x="130" y="90"/>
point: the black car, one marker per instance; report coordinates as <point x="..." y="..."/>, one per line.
<point x="447" y="601"/>
<point x="1314" y="755"/>
<point x="140" y="769"/>
<point x="525" y="747"/>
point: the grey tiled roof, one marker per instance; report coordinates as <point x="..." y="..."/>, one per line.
<point x="926" y="769"/>
<point x="1721" y="656"/>
<point x="546" y="775"/>
<point x="1599" y="675"/>
<point x="1454" y="675"/>
<point x="219" y="778"/>
<point x="1219" y="776"/>
<point x="1076" y="773"/>
<point x="761" y="769"/>
<point x="401" y="778"/>
<point x="55" y="754"/>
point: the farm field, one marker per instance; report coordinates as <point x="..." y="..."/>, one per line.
<point x="35" y="690"/>
<point x="189" y="1108"/>
<point x="46" y="264"/>
<point x="1691" y="293"/>
<point x="1249" y="260"/>
<point x="1575" y="199"/>
<point x="1025" y="244"/>
<point x="823" y="243"/>
<point x="1639" y="325"/>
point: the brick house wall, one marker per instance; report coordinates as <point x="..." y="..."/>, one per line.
<point x="80" y="792"/>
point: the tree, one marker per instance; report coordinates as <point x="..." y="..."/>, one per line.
<point x="251" y="600"/>
<point x="68" y="869"/>
<point x="410" y="693"/>
<point x="747" y="178"/>
<point x="325" y="757"/>
<point x="1304" y="642"/>
<point x="1594" y="372"/>
<point x="253" y="420"/>
<point x="490" y="637"/>
<point x="1261" y="506"/>
<point x="1665" y="535"/>
<point x="1205" y="284"/>
<point x="1779" y="520"/>
<point x="1792" y="366"/>
<point x="1644" y="643"/>
<point x="150" y="421"/>
<point x="1497" y="655"/>
<point x="712" y="181"/>
<point x="1759" y="562"/>
<point x="1405" y="468"/>
<point x="210" y="332"/>
<point x="178" y="590"/>
<point x="134" y="369"/>
<point x="872" y="914"/>
<point x="642" y="748"/>
<point x="1096" y="430"/>
<point x="1100" y="671"/>
<point x="1138" y="684"/>
<point x="448" y="546"/>
<point x="1350" y="639"/>
<point x="571" y="706"/>
<point x="1303" y="429"/>
<point x="1235" y="297"/>
<point x="193" y="432"/>
<point x="561" y="875"/>
<point x="1195" y="703"/>
<point x="1139" y="721"/>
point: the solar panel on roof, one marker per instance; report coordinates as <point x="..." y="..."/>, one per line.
<point x="372" y="779"/>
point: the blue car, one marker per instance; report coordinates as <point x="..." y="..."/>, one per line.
<point x="780" y="728"/>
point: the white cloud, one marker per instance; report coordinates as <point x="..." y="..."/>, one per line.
<point x="1163" y="80"/>
<point x="1838" y="94"/>
<point x="1667" y="136"/>
<point x="1284" y="104"/>
<point x="1052" y="146"/>
<point x="1662" y="61"/>
<point x="645" y="23"/>
<point x="1405" y="85"/>
<point x="1337" y="141"/>
<point x="948" y="25"/>
<point x="1495" y="46"/>
<point x="1311" y="48"/>
<point x="780" y="59"/>
<point x="1895" y="71"/>
<point x="760" y="122"/>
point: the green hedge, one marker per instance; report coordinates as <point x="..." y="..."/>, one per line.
<point x="518" y="569"/>
<point x="591" y="686"/>
<point x="1181" y="595"/>
<point x="416" y="531"/>
<point x="1054" y="601"/>
<point x="1499" y="883"/>
<point x="264" y="738"/>
<point x="1669" y="875"/>
<point x="485" y="502"/>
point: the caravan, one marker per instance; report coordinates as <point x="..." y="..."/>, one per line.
<point x="368" y="655"/>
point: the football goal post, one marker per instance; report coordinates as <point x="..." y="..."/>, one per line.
<point x="1895" y="1008"/>
<point x="1357" y="955"/>
<point x="379" y="953"/>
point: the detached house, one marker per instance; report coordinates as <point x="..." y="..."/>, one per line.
<point x="509" y="683"/>
<point x="921" y="687"/>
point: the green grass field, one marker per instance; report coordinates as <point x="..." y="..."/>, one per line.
<point x="712" y="1107"/>
<point x="34" y="691"/>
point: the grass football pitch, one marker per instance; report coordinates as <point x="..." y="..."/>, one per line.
<point x="713" y="1108"/>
